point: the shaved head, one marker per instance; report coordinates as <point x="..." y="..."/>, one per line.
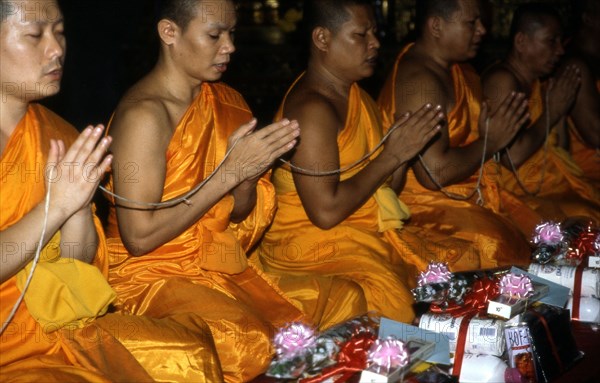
<point x="330" y="14"/>
<point x="434" y="8"/>
<point x="530" y="17"/>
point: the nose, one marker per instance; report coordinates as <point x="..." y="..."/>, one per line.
<point x="560" y="49"/>
<point x="374" y="42"/>
<point x="56" y="46"/>
<point x="228" y="46"/>
<point x="481" y="28"/>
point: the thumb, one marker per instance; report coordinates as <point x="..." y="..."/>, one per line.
<point x="485" y="109"/>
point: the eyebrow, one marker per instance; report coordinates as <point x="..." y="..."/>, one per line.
<point x="221" y="26"/>
<point x="42" y="23"/>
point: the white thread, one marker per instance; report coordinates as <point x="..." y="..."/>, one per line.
<point x="340" y="170"/>
<point x="35" y="261"/>
<point x="513" y="167"/>
<point x="480" y="201"/>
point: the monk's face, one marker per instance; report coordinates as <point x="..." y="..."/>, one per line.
<point x="204" y="49"/>
<point x="32" y="49"/>
<point x="463" y="31"/>
<point x="354" y="47"/>
<point x="542" y="49"/>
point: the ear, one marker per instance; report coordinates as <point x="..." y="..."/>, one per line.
<point x="320" y="38"/>
<point x="167" y="31"/>
<point x="434" y="24"/>
<point x="520" y="41"/>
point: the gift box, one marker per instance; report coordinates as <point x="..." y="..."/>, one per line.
<point x="506" y="306"/>
<point x="554" y="347"/>
<point x="587" y="280"/>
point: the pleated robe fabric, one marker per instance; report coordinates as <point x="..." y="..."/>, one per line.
<point x="586" y="157"/>
<point x="384" y="264"/>
<point x="29" y="352"/>
<point x="203" y="274"/>
<point x="494" y="239"/>
<point x="565" y="191"/>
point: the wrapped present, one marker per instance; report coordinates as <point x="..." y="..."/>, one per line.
<point x="589" y="309"/>
<point x="482" y="369"/>
<point x="519" y="351"/>
<point x="300" y="352"/>
<point x="437" y="285"/>
<point x="583" y="278"/>
<point x="483" y="335"/>
<point x="573" y="242"/>
<point x="517" y="291"/>
<point x="552" y="341"/>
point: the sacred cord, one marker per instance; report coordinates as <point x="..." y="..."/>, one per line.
<point x="172" y="202"/>
<point x="34" y="263"/>
<point x="513" y="167"/>
<point x="477" y="188"/>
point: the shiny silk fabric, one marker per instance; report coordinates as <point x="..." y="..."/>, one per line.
<point x="493" y="239"/>
<point x="27" y="351"/>
<point x="587" y="158"/>
<point x="564" y="191"/>
<point x="382" y="263"/>
<point x="202" y="274"/>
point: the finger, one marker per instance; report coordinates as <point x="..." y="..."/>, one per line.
<point x="400" y="121"/>
<point x="100" y="150"/>
<point x="286" y="133"/>
<point x="283" y="149"/>
<point x="505" y="104"/>
<point x="273" y="128"/>
<point x="243" y="130"/>
<point x="102" y="168"/>
<point x="73" y="151"/>
<point x="518" y="114"/>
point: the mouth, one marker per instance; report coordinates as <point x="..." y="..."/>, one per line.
<point x="55" y="73"/>
<point x="222" y="67"/>
<point x="372" y="60"/>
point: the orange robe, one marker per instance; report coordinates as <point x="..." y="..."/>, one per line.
<point x="203" y="273"/>
<point x="27" y="351"/>
<point x="495" y="240"/>
<point x="587" y="158"/>
<point x="564" y="190"/>
<point x="383" y="262"/>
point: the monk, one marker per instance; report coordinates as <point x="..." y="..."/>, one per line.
<point x="452" y="186"/>
<point x="186" y="260"/>
<point x="535" y="167"/>
<point x="583" y="51"/>
<point x="51" y="337"/>
<point x="337" y="213"/>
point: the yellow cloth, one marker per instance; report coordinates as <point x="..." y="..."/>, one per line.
<point x="27" y="351"/>
<point x="65" y="292"/>
<point x="494" y="241"/>
<point x="587" y="158"/>
<point x="202" y="274"/>
<point x="564" y="192"/>
<point x="384" y="264"/>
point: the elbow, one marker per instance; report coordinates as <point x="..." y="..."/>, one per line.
<point x="324" y="220"/>
<point x="137" y="246"/>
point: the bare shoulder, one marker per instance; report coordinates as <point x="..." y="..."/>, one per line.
<point x="418" y="84"/>
<point x="313" y="110"/>
<point x="500" y="76"/>
<point x="141" y="117"/>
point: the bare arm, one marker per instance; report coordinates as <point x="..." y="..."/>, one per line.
<point x="141" y="137"/>
<point x="454" y="164"/>
<point x="501" y="83"/>
<point x="326" y="199"/>
<point x="68" y="196"/>
<point x="586" y="110"/>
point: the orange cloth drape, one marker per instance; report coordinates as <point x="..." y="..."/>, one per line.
<point x="496" y="241"/>
<point x="565" y="191"/>
<point x="383" y="264"/>
<point x="587" y="158"/>
<point x="27" y="351"/>
<point x="202" y="274"/>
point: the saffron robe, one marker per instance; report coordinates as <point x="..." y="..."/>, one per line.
<point x="495" y="239"/>
<point x="383" y="262"/>
<point x="587" y="158"/>
<point x="564" y="190"/>
<point x="203" y="273"/>
<point x="30" y="351"/>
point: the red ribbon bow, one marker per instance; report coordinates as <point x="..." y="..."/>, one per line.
<point x="351" y="359"/>
<point x="476" y="300"/>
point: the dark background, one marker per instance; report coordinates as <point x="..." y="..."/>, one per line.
<point x="112" y="43"/>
